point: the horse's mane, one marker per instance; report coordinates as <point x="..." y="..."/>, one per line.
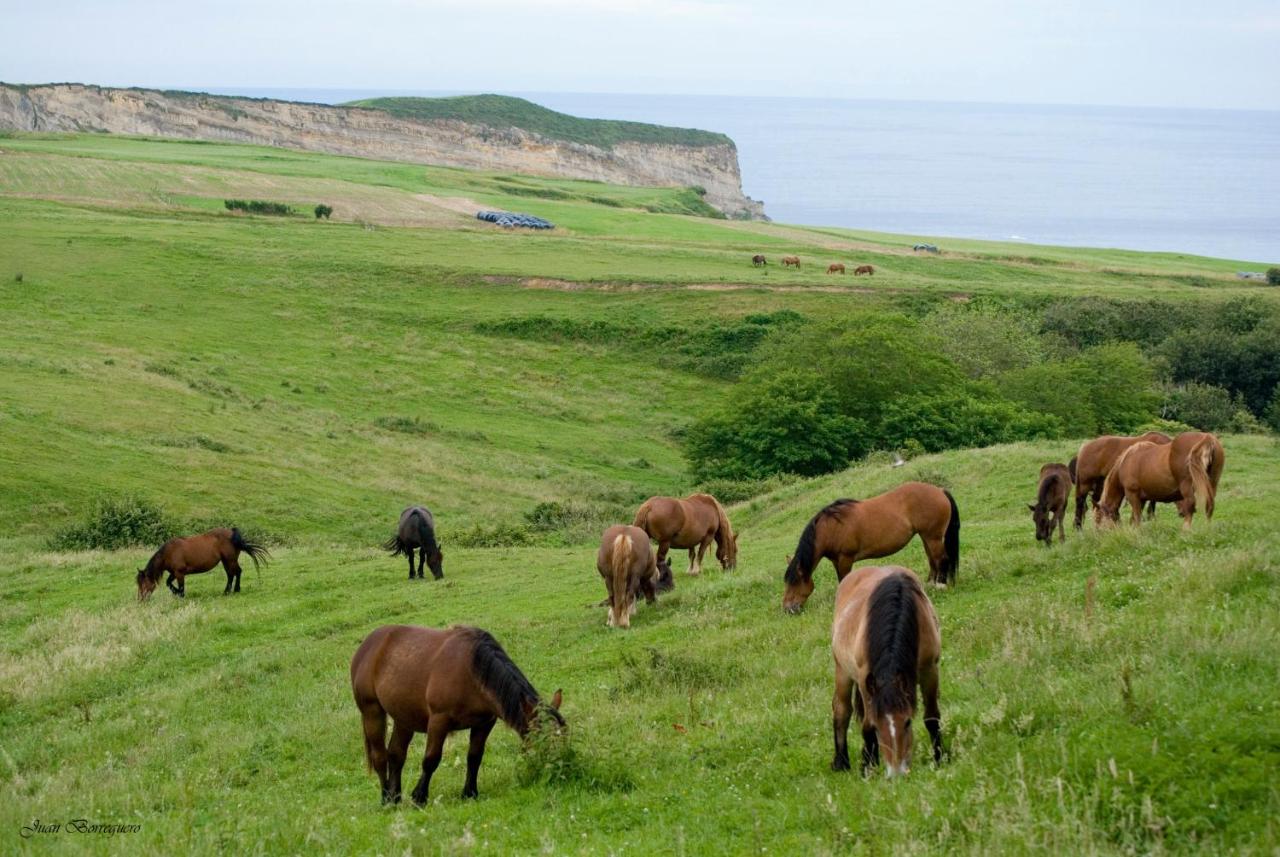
<point x="497" y="674"/>
<point x="802" y="561"/>
<point x="893" y="637"/>
<point x="1046" y="485"/>
<point x="152" y="569"/>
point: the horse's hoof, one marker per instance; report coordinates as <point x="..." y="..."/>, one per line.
<point x="470" y="795"/>
<point x="838" y="765"/>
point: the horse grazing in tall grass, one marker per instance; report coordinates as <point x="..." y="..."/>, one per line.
<point x="417" y="531"/>
<point x="864" y="269"/>
<point x="835" y="268"/>
<point x="439" y="682"/>
<point x="692" y="523"/>
<point x="1185" y="471"/>
<point x="847" y="531"/>
<point x="758" y="259"/>
<point x="791" y="262"/>
<point x="196" y="555"/>
<point x="1090" y="466"/>
<point x="886" y="642"/>
<point x="1050" y="508"/>
<point x="627" y="564"/>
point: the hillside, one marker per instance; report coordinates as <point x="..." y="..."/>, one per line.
<point x="305" y="380"/>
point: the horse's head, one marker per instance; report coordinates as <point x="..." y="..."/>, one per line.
<point x="544" y="717"/>
<point x="435" y="561"/>
<point x="1044" y="524"/>
<point x="146" y="584"/>
<point x="798" y="589"/>
<point x="1107" y="512"/>
<point x="893" y="731"/>
<point x="727" y="553"/>
<point x="666" y="580"/>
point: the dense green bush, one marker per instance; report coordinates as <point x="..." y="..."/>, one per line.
<point x="257" y="206"/>
<point x="985" y="341"/>
<point x="1273" y="276"/>
<point x="500" y="535"/>
<point x="1241" y="354"/>
<point x="117" y="522"/>
<point x="325" y="211"/>
<point x="1203" y="406"/>
<point x="729" y="491"/>
<point x="958" y="419"/>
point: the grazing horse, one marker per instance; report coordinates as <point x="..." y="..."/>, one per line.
<point x="1050" y="508"/>
<point x="791" y="262"/>
<point x="1184" y="472"/>
<point x="864" y="269"/>
<point x="438" y="682"/>
<point x="417" y="529"/>
<point x="627" y="564"/>
<point x="886" y="642"/>
<point x="1094" y="461"/>
<point x="835" y="268"/>
<point x="758" y="259"/>
<point x="690" y="523"/>
<point x="847" y="531"/>
<point x="196" y="555"/>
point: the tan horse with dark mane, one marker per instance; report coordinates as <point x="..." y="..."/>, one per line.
<point x="886" y="642"/>
<point x="848" y="531"/>
<point x="196" y="555"/>
<point x="438" y="682"/>
<point x="691" y="523"/>
<point x="627" y="564"/>
<point x="1184" y="472"/>
<point x="1090" y="466"/>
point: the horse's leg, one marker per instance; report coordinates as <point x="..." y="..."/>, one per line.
<point x="422" y="561"/>
<point x="870" y="743"/>
<point x="608" y="585"/>
<point x="409" y="553"/>
<point x="694" y="568"/>
<point x="374" y="721"/>
<point x="1135" y="506"/>
<point x="1081" y="499"/>
<point x="932" y="715"/>
<point x="169" y="583"/>
<point x="397" y="748"/>
<point x="182" y="584"/>
<point x="702" y="549"/>
<point x="1151" y="510"/>
<point x="437" y="731"/>
<point x="843" y="564"/>
<point x="663" y="547"/>
<point x="936" y="550"/>
<point x="841" y="711"/>
<point x="475" y="755"/>
<point x="1062" y="532"/>
<point x="233" y="576"/>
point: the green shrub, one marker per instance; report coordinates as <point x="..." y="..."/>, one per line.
<point x="501" y="535"/>
<point x="985" y="341"/>
<point x="324" y="211"/>
<point x="117" y="522"/>
<point x="1103" y="390"/>
<point x="957" y="420"/>
<point x="257" y="206"/>
<point x="1204" y="406"/>
<point x="1241" y="354"/>
<point x="1273" y="276"/>
<point x="729" y="491"/>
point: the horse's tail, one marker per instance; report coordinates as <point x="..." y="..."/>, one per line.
<point x="393" y="545"/>
<point x="619" y="564"/>
<point x="258" y="553"/>
<point x="1071" y="468"/>
<point x="642" y="516"/>
<point x="951" y="542"/>
<point x="377" y="740"/>
<point x="1199" y="464"/>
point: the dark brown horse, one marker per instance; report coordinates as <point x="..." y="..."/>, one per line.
<point x="847" y="531"/>
<point x="196" y="555"/>
<point x="758" y="259"/>
<point x="886" y="643"/>
<point x="791" y="262"/>
<point x="627" y="564"/>
<point x="1050" y="508"/>
<point x="1090" y="466"/>
<point x="835" y="268"/>
<point x="691" y="523"/>
<point x="438" y="682"/>
<point x="417" y="531"/>
<point x="1184" y="472"/>
<point x="864" y="269"/>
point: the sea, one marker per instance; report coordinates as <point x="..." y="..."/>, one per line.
<point x="1201" y="181"/>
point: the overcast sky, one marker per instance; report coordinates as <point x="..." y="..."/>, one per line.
<point x="1127" y="52"/>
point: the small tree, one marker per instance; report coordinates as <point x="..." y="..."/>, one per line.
<point x="1273" y="276"/>
<point x="324" y="211"/>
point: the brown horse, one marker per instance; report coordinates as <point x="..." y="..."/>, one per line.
<point x="835" y="268"/>
<point x="864" y="269"/>
<point x="758" y="259"/>
<point x="1182" y="472"/>
<point x="196" y="555"/>
<point x="1050" y="508"/>
<point x="627" y="564"/>
<point x="886" y="643"/>
<point x="847" y="531"/>
<point x="689" y="523"/>
<point x="438" y="682"/>
<point x="417" y="530"/>
<point x="1094" y="461"/>
<point x="791" y="262"/>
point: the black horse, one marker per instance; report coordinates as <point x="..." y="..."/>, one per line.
<point x="417" y="529"/>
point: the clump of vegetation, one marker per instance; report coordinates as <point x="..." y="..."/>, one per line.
<point x="572" y="522"/>
<point x="500" y="535"/>
<point x="1273" y="276"/>
<point x="407" y="425"/>
<point x="17" y="278"/>
<point x="325" y="211"/>
<point x="730" y="491"/>
<point x="117" y="522"/>
<point x="258" y="206"/>
<point x="554" y="760"/>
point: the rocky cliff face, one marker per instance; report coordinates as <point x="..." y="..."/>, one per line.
<point x="370" y="133"/>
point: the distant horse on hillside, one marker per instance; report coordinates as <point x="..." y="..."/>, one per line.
<point x="886" y="642"/>
<point x="627" y="564"/>
<point x="1090" y="466"/>
<point x="1184" y="472"/>
<point x="758" y="260"/>
<point x="791" y="262"/>
<point x="864" y="269"/>
<point x="196" y="555"/>
<point x="848" y="531"/>
<point x="690" y="523"/>
<point x="417" y="530"/>
<point x="835" y="268"/>
<point x="439" y="682"/>
<point x="1050" y="508"/>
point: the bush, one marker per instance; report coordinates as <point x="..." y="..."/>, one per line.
<point x="1240" y="353"/>
<point x="1106" y="389"/>
<point x="957" y="420"/>
<point x="324" y="211"/>
<point x="729" y="491"/>
<point x="1273" y="276"/>
<point x="571" y="522"/>
<point x="1204" y="406"/>
<point x="1271" y="416"/>
<point x="492" y="536"/>
<point x="985" y="341"/>
<point x="257" y="206"/>
<point x="115" y="523"/>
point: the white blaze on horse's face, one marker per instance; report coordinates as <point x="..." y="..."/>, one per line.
<point x="895" y="737"/>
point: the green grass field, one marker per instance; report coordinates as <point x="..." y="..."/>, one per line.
<point x="307" y="380"/>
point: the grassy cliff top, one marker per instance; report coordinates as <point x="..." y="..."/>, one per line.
<point x="501" y="111"/>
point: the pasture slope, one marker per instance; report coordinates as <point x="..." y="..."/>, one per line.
<point x="307" y="380"/>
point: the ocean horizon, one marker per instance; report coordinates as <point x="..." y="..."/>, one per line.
<point x="1194" y="181"/>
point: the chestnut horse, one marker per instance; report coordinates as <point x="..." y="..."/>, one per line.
<point x="886" y="642"/>
<point x="1050" y="508"/>
<point x="835" y="268"/>
<point x="758" y="260"/>
<point x="627" y="564"/>
<point x="791" y="262"/>
<point x="689" y="523"/>
<point x="438" y="682"/>
<point x="417" y="530"/>
<point x="196" y="555"/>
<point x="864" y="269"/>
<point x="1093" y="462"/>
<point x="1183" y="472"/>
<point x="847" y="531"/>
